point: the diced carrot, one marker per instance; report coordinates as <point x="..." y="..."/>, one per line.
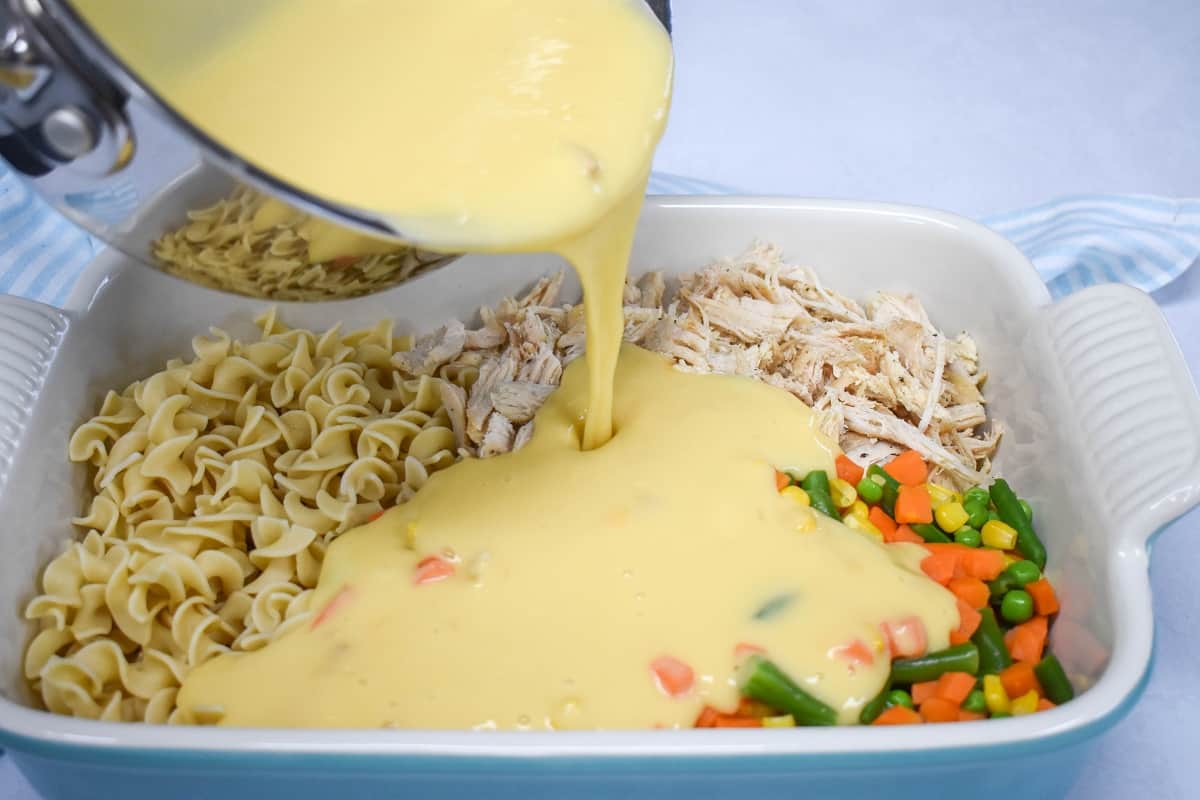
<point x="983" y="563"/>
<point x="908" y="468"/>
<point x="903" y="533"/>
<point x="1018" y="679"/>
<point x="1045" y="601"/>
<point x="432" y="569"/>
<point x="898" y="715"/>
<point x="1026" y="641"/>
<point x="731" y="721"/>
<point x="1044" y="704"/>
<point x="968" y="623"/>
<point x="752" y="708"/>
<point x="971" y="591"/>
<point x="969" y="716"/>
<point x="923" y="691"/>
<point x="341" y="262"/>
<point x="954" y="686"/>
<point x="781" y="481"/>
<point x="340" y="599"/>
<point x="913" y="505"/>
<point x="939" y="709"/>
<point x="674" y="677"/>
<point x="856" y="653"/>
<point x="887" y="526"/>
<point x="847" y="470"/>
<point x="906" y="637"/>
<point x="375" y="516"/>
<point x="940" y="565"/>
<point x="743" y="649"/>
<point x="707" y="719"/>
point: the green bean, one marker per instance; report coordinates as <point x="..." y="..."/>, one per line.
<point x="975" y="702"/>
<point x="930" y="533"/>
<point x="1053" y="679"/>
<point x="959" y="658"/>
<point x="1010" y="511"/>
<point x="890" y="486"/>
<point x="1028" y="509"/>
<point x="816" y="483"/>
<point x="993" y="654"/>
<point x="877" y="704"/>
<point x="761" y="680"/>
<point x="773" y="606"/>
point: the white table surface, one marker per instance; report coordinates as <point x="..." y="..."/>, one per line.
<point x="975" y="108"/>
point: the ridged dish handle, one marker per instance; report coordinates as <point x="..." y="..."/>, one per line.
<point x="30" y="334"/>
<point x="1135" y="404"/>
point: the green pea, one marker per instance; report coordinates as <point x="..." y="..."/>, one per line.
<point x="870" y="491"/>
<point x="1001" y="585"/>
<point x="899" y="697"/>
<point x="977" y="494"/>
<point x="999" y="714"/>
<point x="993" y="515"/>
<point x="1023" y="572"/>
<point x="968" y="536"/>
<point x="1028" y="509"/>
<point x="975" y="702"/>
<point x="977" y="513"/>
<point x="1017" y="606"/>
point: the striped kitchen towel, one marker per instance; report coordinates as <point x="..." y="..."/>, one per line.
<point x="1083" y="240"/>
<point x="1074" y="242"/>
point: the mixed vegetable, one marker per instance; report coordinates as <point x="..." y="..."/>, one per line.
<point x="983" y="548"/>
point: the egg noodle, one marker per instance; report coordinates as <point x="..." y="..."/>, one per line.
<point x="233" y="246"/>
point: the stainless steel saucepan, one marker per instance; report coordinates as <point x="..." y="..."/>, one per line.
<point x="97" y="144"/>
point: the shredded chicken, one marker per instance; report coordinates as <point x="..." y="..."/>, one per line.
<point x="881" y="378"/>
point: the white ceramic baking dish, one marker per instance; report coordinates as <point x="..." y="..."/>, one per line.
<point x="1103" y="436"/>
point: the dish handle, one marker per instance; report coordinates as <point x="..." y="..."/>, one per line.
<point x="1134" y="401"/>
<point x="30" y="334"/>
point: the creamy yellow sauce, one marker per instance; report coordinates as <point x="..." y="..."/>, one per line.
<point x="503" y="125"/>
<point x="474" y="124"/>
<point x="575" y="570"/>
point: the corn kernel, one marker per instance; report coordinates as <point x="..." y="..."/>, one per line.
<point x="939" y="494"/>
<point x="807" y="521"/>
<point x="995" y="696"/>
<point x="999" y="535"/>
<point x="1025" y="704"/>
<point x="797" y="494"/>
<point x="784" y="721"/>
<point x="862" y="526"/>
<point x="859" y="509"/>
<point x="843" y="493"/>
<point x="951" y="516"/>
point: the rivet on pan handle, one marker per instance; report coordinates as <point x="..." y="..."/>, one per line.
<point x="1134" y="402"/>
<point x="30" y="334"/>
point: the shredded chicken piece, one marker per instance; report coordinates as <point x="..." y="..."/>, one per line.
<point x="880" y="377"/>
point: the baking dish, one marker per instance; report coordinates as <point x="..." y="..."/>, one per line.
<point x="1102" y="435"/>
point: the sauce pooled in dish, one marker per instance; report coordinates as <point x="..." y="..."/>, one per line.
<point x="570" y="584"/>
<point x="554" y="588"/>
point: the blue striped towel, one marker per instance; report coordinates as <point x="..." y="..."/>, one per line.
<point x="1074" y="241"/>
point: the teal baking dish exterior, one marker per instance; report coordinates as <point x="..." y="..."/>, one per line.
<point x="1090" y="389"/>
